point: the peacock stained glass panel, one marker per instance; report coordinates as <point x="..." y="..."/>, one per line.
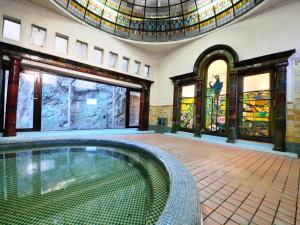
<point x="187" y="113"/>
<point x="216" y="99"/>
<point x="216" y="114"/>
<point x="256" y="114"/>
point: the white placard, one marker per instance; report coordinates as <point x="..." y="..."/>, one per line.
<point x="91" y="101"/>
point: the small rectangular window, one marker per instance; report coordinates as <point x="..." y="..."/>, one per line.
<point x="112" y="61"/>
<point x="38" y="36"/>
<point x="81" y="49"/>
<point x="125" y="64"/>
<point x="188" y="91"/>
<point x="11" y="29"/>
<point x="98" y="55"/>
<point x="61" y="44"/>
<point x="147" y="71"/>
<point x="136" y="67"/>
<point x="259" y="82"/>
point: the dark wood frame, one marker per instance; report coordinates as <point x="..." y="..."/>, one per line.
<point x="275" y="64"/>
<point x="34" y="56"/>
<point x="2" y="84"/>
<point x="36" y="103"/>
<point x="179" y="82"/>
<point x="179" y="107"/>
<point x="240" y="104"/>
<point x="127" y="120"/>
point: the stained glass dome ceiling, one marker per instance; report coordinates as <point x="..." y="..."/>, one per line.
<point x="157" y="20"/>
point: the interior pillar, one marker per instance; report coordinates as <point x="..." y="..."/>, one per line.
<point x="12" y="96"/>
<point x="1" y="86"/>
<point x="232" y="107"/>
<point x="175" y="108"/>
<point x="144" y="108"/>
<point x="280" y="106"/>
<point x="199" y="106"/>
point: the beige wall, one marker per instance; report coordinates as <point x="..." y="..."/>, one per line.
<point x="267" y="32"/>
<point x="293" y="109"/>
<point x="62" y="23"/>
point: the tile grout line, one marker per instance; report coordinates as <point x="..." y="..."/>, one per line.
<point x="275" y="216"/>
<point x="238" y="207"/>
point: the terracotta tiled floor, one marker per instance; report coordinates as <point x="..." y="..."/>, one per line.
<point x="237" y="186"/>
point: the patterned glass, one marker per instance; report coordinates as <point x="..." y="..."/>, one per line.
<point x="256" y="107"/>
<point x="215" y="98"/>
<point x="187" y="113"/>
<point x="157" y="20"/>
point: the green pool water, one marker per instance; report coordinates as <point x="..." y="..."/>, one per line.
<point x="81" y="185"/>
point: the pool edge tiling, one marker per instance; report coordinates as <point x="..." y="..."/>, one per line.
<point x="183" y="204"/>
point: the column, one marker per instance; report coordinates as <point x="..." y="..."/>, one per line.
<point x="175" y="119"/>
<point x="199" y="106"/>
<point x="232" y="107"/>
<point x="12" y="97"/>
<point x="144" y="108"/>
<point x="280" y="106"/>
<point x="1" y="82"/>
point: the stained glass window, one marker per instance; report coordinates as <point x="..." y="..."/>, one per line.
<point x="187" y="107"/>
<point x="256" y="99"/>
<point x="147" y="20"/>
<point x="215" y="97"/>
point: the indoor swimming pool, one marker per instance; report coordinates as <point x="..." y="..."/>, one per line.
<point x="81" y="185"/>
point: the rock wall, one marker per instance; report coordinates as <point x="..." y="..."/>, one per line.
<point x="75" y="104"/>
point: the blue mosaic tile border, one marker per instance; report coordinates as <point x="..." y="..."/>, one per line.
<point x="183" y="205"/>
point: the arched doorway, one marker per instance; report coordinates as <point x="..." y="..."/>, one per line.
<point x="212" y="70"/>
<point x="215" y="98"/>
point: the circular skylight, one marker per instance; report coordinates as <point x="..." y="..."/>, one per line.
<point x="157" y="20"/>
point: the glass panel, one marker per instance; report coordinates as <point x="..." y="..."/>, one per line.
<point x="97" y="106"/>
<point x="147" y="71"/>
<point x="98" y="54"/>
<point x="188" y="91"/>
<point x="5" y="94"/>
<point x="69" y="103"/>
<point x="215" y="99"/>
<point x="61" y="44"/>
<point x="256" y="106"/>
<point x="55" y="102"/>
<point x="187" y="107"/>
<point x="81" y="49"/>
<point x="112" y="61"/>
<point x="187" y="113"/>
<point x="259" y="82"/>
<point x="157" y="17"/>
<point x="11" y="30"/>
<point x="125" y="64"/>
<point x="25" y="100"/>
<point x="134" y="110"/>
<point x="136" y="68"/>
<point x="38" y="36"/>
